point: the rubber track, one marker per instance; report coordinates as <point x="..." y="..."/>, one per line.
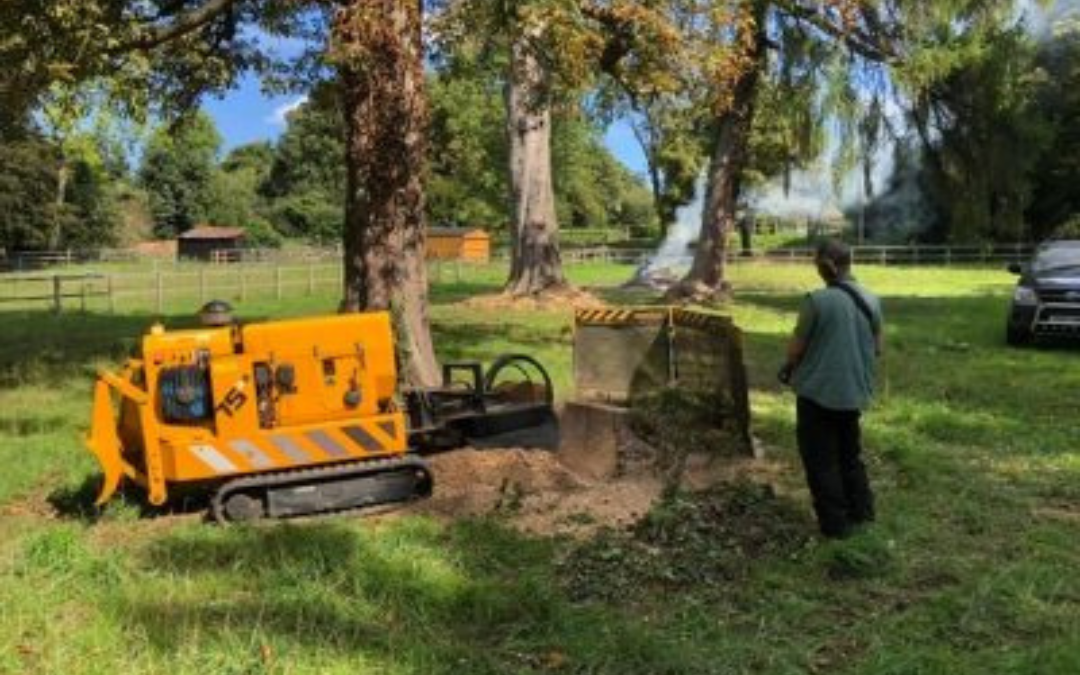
<point x="317" y="474"/>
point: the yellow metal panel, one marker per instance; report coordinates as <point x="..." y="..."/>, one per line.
<point x="189" y="458"/>
<point x="317" y="421"/>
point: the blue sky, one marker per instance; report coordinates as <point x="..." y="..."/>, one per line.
<point x="245" y="115"/>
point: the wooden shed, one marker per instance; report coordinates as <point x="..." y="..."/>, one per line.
<point x="207" y="242"/>
<point x="458" y="243"/>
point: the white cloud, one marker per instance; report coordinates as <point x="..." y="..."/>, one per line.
<point x="279" y="117"/>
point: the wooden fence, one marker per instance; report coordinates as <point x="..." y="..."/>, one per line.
<point x="867" y="255"/>
<point x="163" y="285"/>
<point x="189" y="285"/>
<point x="28" y="261"/>
<point x="158" y="290"/>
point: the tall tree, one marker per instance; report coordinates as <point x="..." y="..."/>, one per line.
<point x="535" y="263"/>
<point x="1056" y="195"/>
<point x="178" y="171"/>
<point x="27" y="193"/>
<point x="743" y="45"/>
<point x="740" y="76"/>
<point x="307" y="175"/>
<point x="469" y="149"/>
<point x="378" y="54"/>
<point x="37" y="215"/>
<point x="982" y="138"/>
<point x="375" y="48"/>
<point x="515" y="37"/>
<point x="549" y="52"/>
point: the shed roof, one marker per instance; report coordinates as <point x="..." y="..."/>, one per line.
<point x="213" y="232"/>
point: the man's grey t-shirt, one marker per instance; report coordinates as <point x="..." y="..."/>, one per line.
<point x="837" y="368"/>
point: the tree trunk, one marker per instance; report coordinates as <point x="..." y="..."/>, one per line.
<point x="535" y="263"/>
<point x="380" y="60"/>
<point x="665" y="215"/>
<point x="707" y="275"/>
<point x="56" y="233"/>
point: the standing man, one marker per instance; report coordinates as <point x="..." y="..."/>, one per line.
<point x="830" y="363"/>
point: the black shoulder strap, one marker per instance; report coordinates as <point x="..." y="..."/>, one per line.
<point x="859" y="301"/>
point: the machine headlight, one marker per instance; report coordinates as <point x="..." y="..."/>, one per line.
<point x="1025" y="296"/>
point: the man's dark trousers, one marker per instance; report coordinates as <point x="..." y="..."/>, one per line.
<point x="830" y="446"/>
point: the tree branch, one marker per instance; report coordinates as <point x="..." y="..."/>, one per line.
<point x="152" y="37"/>
<point x="868" y="46"/>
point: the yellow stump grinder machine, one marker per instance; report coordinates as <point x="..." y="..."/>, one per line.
<point x="298" y="417"/>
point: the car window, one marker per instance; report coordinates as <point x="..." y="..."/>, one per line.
<point x="1058" y="256"/>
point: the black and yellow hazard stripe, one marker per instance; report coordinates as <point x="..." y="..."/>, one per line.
<point x="689" y="318"/>
<point x="290" y="449"/>
<point x="614" y="316"/>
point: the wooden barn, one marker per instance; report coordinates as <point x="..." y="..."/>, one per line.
<point x="458" y="243"/>
<point x="207" y="242"/>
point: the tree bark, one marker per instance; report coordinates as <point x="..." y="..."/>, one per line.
<point x="535" y="263"/>
<point x="56" y="233"/>
<point x="380" y="60"/>
<point x="707" y="275"/>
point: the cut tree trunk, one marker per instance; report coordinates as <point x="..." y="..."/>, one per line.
<point x="707" y="278"/>
<point x="379" y="51"/>
<point x="535" y="263"/>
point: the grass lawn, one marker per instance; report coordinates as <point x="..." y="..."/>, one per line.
<point x="973" y="447"/>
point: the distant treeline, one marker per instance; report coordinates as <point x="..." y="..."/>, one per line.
<point x="106" y="183"/>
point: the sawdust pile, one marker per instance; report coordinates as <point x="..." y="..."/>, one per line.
<point x="536" y="493"/>
<point x="569" y="297"/>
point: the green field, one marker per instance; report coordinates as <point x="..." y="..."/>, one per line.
<point x="973" y="447"/>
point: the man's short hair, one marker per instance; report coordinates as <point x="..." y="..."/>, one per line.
<point x="835" y="251"/>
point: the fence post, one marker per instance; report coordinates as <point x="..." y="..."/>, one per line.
<point x="56" y="293"/>
<point x="160" y="292"/>
<point x="916" y="249"/>
<point x="311" y="277"/>
<point x="948" y="256"/>
<point x="277" y="281"/>
<point x="109" y="291"/>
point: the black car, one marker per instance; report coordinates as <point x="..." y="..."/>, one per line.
<point x="1046" y="302"/>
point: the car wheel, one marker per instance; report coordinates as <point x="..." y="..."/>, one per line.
<point x="1018" y="337"/>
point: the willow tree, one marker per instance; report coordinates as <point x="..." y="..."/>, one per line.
<point x="744" y="45"/>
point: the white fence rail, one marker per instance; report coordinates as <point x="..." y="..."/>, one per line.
<point x="157" y="290"/>
<point x="37" y="260"/>
<point x="872" y="255"/>
<point x="161" y="285"/>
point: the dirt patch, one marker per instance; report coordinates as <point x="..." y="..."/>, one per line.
<point x="531" y="490"/>
<point x="536" y="493"/>
<point x="552" y="300"/>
